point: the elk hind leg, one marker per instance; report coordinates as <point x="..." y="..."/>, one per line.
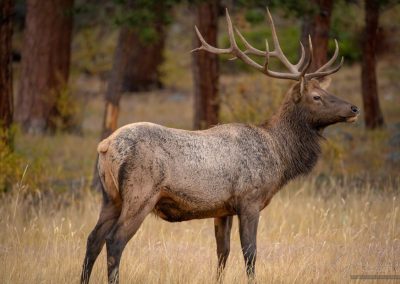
<point x="108" y="217"/>
<point x="132" y="216"/>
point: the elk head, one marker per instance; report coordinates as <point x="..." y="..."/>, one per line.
<point x="309" y="95"/>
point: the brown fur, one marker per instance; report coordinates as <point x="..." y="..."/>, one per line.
<point x="231" y="169"/>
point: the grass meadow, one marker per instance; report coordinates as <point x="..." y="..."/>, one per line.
<point x="312" y="232"/>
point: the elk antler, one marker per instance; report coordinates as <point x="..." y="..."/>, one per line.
<point x="233" y="49"/>
<point x="296" y="71"/>
<point x="321" y="72"/>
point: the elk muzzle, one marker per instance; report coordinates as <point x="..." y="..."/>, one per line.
<point x="354" y="114"/>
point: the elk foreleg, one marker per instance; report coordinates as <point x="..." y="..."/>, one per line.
<point x="248" y="223"/>
<point x="222" y="235"/>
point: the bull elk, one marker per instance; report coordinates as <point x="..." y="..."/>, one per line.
<point x="227" y="170"/>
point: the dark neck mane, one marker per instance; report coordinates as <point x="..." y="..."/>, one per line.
<point x="297" y="142"/>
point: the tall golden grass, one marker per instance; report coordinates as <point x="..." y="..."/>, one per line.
<point x="312" y="232"/>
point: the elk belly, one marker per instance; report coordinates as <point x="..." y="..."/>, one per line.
<point x="176" y="210"/>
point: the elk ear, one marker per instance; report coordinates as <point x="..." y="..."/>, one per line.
<point x="303" y="86"/>
<point x="324" y="82"/>
<point x="299" y="90"/>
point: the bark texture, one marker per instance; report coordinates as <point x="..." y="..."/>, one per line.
<point x="318" y="26"/>
<point x="45" y="63"/>
<point x="206" y="67"/>
<point x="145" y="58"/>
<point x="6" y="88"/>
<point x="372" y="111"/>
<point x="114" y="90"/>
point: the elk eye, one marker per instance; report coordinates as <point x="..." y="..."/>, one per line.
<point x="316" y="98"/>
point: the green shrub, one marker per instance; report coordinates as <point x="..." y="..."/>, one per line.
<point x="69" y="112"/>
<point x="346" y="26"/>
<point x="10" y="162"/>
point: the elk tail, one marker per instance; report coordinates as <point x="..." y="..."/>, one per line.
<point x="105" y="168"/>
<point x="103" y="146"/>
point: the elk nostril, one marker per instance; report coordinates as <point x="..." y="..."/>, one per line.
<point x="354" y="109"/>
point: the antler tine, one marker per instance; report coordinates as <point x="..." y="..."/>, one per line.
<point x="321" y="71"/>
<point x="249" y="48"/>
<point x="310" y="58"/>
<point x="278" y="51"/>
<point x="332" y="60"/>
<point x="302" y="57"/>
<point x="294" y="69"/>
<point x="233" y="49"/>
<point x="205" y="46"/>
<point x="274" y="73"/>
<point x="325" y="73"/>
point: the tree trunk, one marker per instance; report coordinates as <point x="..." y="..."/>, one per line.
<point x="115" y="89"/>
<point x="206" y="67"/>
<point x="372" y="111"/>
<point x="318" y="26"/>
<point x="6" y="87"/>
<point x="306" y="30"/>
<point x="320" y="35"/>
<point x="145" y="57"/>
<point x="45" y="63"/>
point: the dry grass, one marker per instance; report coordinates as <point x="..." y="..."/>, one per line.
<point x="311" y="232"/>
